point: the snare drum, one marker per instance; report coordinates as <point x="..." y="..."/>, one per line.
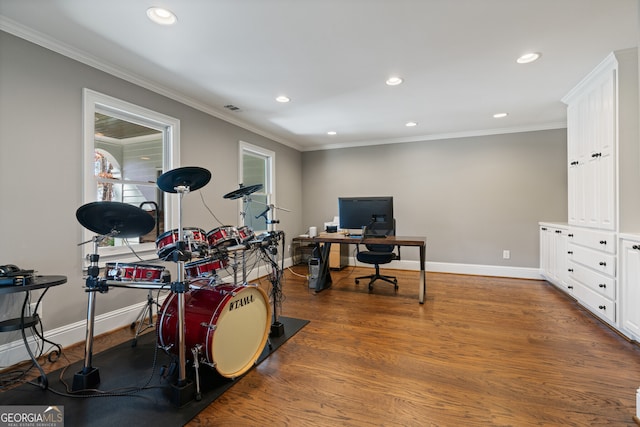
<point x="245" y="234"/>
<point x="222" y="237"/>
<point x="134" y="272"/>
<point x="205" y="267"/>
<point x="195" y="241"/>
<point x="231" y="323"/>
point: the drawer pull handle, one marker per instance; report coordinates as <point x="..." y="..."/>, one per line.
<point x="602" y="307"/>
<point x="570" y="235"/>
<point x="636" y="247"/>
<point x="570" y="270"/>
<point x="570" y="252"/>
<point x="602" y="263"/>
<point x="544" y="228"/>
<point x="602" y="285"/>
<point x="594" y="155"/>
<point x="559" y="231"/>
<point x="569" y="287"/>
<point x="603" y="242"/>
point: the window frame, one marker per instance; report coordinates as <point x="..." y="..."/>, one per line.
<point x="270" y="187"/>
<point x="170" y="127"/>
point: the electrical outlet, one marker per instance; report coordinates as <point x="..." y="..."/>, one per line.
<point x="506" y="254"/>
<point x="32" y="309"/>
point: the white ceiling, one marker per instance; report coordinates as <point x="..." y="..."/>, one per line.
<point x="332" y="57"/>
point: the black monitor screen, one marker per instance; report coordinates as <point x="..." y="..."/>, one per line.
<point x="375" y="213"/>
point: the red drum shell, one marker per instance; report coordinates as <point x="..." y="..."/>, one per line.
<point x="195" y="240"/>
<point x="245" y="233"/>
<point x="205" y="267"/>
<point x="230" y="322"/>
<point x="133" y="272"/>
<point x="222" y="236"/>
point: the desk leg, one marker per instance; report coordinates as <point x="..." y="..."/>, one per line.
<point x="44" y="382"/>
<point x="324" y="275"/>
<point x="423" y="275"/>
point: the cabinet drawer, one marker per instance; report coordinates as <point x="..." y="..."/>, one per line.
<point x="604" y="285"/>
<point x="596" y="303"/>
<point x="599" y="240"/>
<point x="596" y="260"/>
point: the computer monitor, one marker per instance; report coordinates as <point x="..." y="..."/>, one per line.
<point x="374" y="213"/>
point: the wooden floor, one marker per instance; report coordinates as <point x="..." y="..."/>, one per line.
<point x="481" y="351"/>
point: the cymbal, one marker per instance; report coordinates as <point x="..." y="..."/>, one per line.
<point x="105" y="217"/>
<point x="189" y="176"/>
<point x="242" y="191"/>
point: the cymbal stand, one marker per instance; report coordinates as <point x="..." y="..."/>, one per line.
<point x="271" y="254"/>
<point x="139" y="322"/>
<point x="89" y="376"/>
<point x="183" y="389"/>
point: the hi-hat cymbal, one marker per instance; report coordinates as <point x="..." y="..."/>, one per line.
<point x="105" y="217"/>
<point x="242" y="191"/>
<point x="192" y="177"/>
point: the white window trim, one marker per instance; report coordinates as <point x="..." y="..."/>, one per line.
<point x="271" y="164"/>
<point x="170" y="127"/>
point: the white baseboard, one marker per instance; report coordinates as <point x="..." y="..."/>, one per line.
<point x="14" y="352"/>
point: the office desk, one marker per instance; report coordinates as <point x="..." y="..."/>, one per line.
<point x="324" y="277"/>
<point x="24" y="322"/>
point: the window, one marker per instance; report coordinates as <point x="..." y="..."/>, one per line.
<point x="256" y="167"/>
<point x="126" y="148"/>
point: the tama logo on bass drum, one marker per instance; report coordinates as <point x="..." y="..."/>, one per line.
<point x="240" y="302"/>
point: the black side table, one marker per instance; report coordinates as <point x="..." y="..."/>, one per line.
<point x="25" y="322"/>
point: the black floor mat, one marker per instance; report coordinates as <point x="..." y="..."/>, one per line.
<point x="131" y="388"/>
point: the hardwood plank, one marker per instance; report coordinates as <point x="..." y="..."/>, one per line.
<point x="480" y="351"/>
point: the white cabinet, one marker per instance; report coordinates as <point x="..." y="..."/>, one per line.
<point x="603" y="178"/>
<point x="553" y="254"/>
<point x="592" y="271"/>
<point x="630" y="287"/>
<point x="591" y="142"/>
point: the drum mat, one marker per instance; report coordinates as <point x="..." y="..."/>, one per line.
<point x="131" y="370"/>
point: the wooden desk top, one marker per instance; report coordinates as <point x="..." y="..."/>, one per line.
<point x="389" y="240"/>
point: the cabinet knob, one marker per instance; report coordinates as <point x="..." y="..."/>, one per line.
<point x="602" y="307"/>
<point x="602" y="285"/>
<point x="603" y="242"/>
<point x="602" y="263"/>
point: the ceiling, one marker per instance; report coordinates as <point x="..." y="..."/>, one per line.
<point x="332" y="57"/>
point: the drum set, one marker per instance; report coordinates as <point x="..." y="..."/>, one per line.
<point x="204" y="320"/>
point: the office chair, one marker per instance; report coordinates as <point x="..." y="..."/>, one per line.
<point x="378" y="254"/>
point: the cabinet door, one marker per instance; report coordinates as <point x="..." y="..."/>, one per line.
<point x="630" y="287"/>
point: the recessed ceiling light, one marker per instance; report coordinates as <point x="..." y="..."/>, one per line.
<point x="161" y="16"/>
<point x="528" y="57"/>
<point x="500" y="115"/>
<point x="411" y="124"/>
<point x="283" y="98"/>
<point x="332" y="132"/>
<point x="394" y="81"/>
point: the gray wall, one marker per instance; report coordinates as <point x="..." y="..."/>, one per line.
<point x="472" y="197"/>
<point x="41" y="171"/>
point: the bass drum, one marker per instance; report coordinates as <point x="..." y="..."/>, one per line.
<point x="230" y="322"/>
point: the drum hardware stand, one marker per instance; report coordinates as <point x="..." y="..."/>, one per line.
<point x="89" y="376"/>
<point x="271" y="252"/>
<point x="182" y="390"/>
<point x="139" y="322"/>
<point x="196" y="365"/>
